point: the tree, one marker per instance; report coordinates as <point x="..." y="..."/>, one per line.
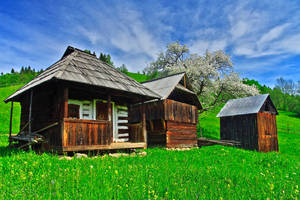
<point x="122" y="68"/>
<point x="106" y="58"/>
<point x="87" y="51"/>
<point x="22" y="70"/>
<point x="286" y="86"/>
<point x="211" y="75"/>
<point x="12" y="71"/>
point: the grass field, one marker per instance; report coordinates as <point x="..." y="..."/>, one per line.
<point x="213" y="172"/>
<point x="5" y="110"/>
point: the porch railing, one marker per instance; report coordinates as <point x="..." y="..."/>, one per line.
<point x="79" y="132"/>
<point x="86" y="132"/>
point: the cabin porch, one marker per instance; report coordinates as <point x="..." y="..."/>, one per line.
<point x="67" y="118"/>
<point x="85" y="135"/>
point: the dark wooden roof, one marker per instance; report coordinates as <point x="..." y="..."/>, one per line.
<point x="81" y="67"/>
<point x="247" y="105"/>
<point x="166" y="86"/>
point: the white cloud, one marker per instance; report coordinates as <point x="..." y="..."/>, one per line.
<point x="200" y="46"/>
<point x="239" y="29"/>
<point x="274" y="33"/>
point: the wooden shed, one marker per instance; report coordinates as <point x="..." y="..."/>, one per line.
<point x="251" y="121"/>
<point x="172" y="120"/>
<point x="81" y="103"/>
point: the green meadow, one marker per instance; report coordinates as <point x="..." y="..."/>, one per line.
<point x="213" y="172"/>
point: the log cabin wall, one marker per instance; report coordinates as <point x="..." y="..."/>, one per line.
<point x="267" y="132"/>
<point x="155" y="122"/>
<point x="181" y="124"/>
<point x="169" y="123"/>
<point x="242" y="128"/>
<point x="46" y="109"/>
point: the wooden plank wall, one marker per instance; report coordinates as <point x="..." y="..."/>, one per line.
<point x="267" y="132"/>
<point x="154" y="110"/>
<point x="242" y="128"/>
<point x="136" y="132"/>
<point x="181" y="118"/>
<point x="79" y="132"/>
<point x="181" y="134"/>
<point x="180" y="112"/>
<point x="46" y="110"/>
<point x="156" y="130"/>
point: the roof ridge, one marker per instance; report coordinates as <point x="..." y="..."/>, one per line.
<point x="60" y="72"/>
<point x="74" y="49"/>
<point x="162" y="77"/>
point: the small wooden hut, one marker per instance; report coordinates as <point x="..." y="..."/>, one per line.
<point x="250" y="121"/>
<point x="172" y="120"/>
<point x="80" y="103"/>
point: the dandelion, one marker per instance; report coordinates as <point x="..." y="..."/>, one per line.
<point x="91" y="166"/>
<point x="116" y="172"/>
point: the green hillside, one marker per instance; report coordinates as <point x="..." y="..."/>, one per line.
<point x="213" y="172"/>
<point x="5" y="110"/>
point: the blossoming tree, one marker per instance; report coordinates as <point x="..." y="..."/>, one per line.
<point x="212" y="75"/>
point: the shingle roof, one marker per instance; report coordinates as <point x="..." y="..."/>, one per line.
<point x="81" y="67"/>
<point x="243" y="106"/>
<point x="166" y="85"/>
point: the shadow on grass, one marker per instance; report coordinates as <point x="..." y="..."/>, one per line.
<point x="8" y="151"/>
<point x="294" y="115"/>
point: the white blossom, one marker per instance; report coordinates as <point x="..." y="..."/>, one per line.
<point x="212" y="75"/>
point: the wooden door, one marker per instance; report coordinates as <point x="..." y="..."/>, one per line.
<point x="102" y="111"/>
<point x="267" y="130"/>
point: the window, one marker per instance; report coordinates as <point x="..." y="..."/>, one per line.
<point x="73" y="111"/>
<point x="80" y="109"/>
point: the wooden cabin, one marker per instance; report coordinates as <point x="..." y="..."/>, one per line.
<point x="172" y="119"/>
<point x="250" y="121"/>
<point x="80" y="103"/>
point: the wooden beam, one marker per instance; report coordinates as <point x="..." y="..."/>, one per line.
<point x="10" y="122"/>
<point x="30" y="112"/>
<point x="45" y="128"/>
<point x="65" y="102"/>
<point x="144" y="130"/>
<point x="117" y="145"/>
<point x="109" y="113"/>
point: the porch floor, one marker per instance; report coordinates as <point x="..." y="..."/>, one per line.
<point x="114" y="145"/>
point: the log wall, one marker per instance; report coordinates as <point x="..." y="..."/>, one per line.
<point x="181" y="134"/>
<point x="169" y="123"/>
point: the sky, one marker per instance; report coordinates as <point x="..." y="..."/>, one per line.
<point x="261" y="37"/>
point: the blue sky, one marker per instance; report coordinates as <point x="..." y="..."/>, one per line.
<point x="262" y="37"/>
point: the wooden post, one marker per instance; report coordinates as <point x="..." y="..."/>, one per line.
<point x="144" y="124"/>
<point x="65" y="102"/>
<point x="10" y="122"/>
<point x="64" y="114"/>
<point x="109" y="112"/>
<point x="30" y="112"/>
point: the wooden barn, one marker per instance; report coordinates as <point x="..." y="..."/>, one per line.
<point x="172" y="120"/>
<point x="81" y="103"/>
<point x="251" y="121"/>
